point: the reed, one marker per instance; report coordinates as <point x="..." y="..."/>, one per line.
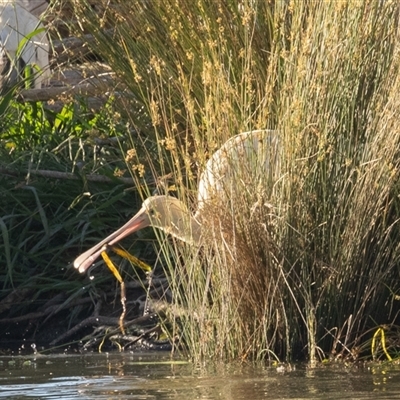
<point x="305" y="262"/>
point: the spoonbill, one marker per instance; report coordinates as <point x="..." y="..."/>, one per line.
<point x="254" y="150"/>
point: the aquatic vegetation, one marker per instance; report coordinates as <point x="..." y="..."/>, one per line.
<point x="308" y="262"/>
<point x="303" y="265"/>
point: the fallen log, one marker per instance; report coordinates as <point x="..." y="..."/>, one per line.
<point x="70" y="49"/>
<point x="95" y="87"/>
<point x="74" y="48"/>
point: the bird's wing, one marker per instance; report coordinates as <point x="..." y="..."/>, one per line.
<point x="244" y="156"/>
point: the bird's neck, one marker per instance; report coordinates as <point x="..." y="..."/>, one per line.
<point x="181" y="224"/>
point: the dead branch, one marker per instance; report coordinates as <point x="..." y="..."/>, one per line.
<point x="74" y="48"/>
<point x="67" y="175"/>
<point x="71" y="48"/>
<point x="98" y="320"/>
<point x="95" y="87"/>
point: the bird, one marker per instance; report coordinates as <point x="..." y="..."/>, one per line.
<point x="254" y="152"/>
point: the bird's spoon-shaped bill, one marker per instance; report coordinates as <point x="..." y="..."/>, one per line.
<point x="137" y="222"/>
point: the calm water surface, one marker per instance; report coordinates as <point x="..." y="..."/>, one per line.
<point x="150" y="376"/>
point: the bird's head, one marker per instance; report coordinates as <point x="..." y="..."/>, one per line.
<point x="163" y="212"/>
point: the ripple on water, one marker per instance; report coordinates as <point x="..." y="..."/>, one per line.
<point x="128" y="376"/>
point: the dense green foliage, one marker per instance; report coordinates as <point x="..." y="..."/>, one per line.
<point x="306" y="265"/>
<point x="50" y="209"/>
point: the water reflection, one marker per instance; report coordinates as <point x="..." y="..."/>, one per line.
<point x="150" y="376"/>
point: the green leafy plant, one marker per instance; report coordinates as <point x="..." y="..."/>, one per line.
<point x="49" y="207"/>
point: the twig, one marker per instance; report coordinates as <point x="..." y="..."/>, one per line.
<point x="96" y="320"/>
<point x="67" y="175"/>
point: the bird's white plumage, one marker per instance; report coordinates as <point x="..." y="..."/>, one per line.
<point x="249" y="154"/>
<point x="251" y="157"/>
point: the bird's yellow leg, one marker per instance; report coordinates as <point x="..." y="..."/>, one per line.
<point x="134" y="260"/>
<point x="115" y="272"/>
<point x="118" y="276"/>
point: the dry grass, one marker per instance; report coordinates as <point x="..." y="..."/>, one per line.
<point x="307" y="262"/>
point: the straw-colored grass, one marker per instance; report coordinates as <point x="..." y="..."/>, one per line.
<point x="307" y="261"/>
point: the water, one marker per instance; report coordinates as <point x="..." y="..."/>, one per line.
<point x="150" y="376"/>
